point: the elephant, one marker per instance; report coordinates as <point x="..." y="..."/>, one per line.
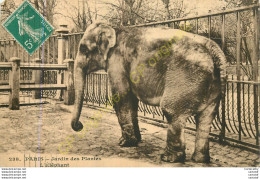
<point x="181" y="72"/>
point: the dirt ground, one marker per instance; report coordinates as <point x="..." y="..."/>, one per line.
<point x="41" y="131"/>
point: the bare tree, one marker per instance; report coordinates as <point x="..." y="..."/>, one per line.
<point x="130" y="12"/>
<point x="81" y="15"/>
<point x="124" y="12"/>
<point x="247" y="39"/>
<point x="46" y="8"/>
<point x="174" y="8"/>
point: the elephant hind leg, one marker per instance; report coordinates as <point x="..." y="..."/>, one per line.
<point x="206" y="113"/>
<point x="203" y="123"/>
<point x="175" y="147"/>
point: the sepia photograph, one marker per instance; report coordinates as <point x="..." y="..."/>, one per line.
<point x="129" y="83"/>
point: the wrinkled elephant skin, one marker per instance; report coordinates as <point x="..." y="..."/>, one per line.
<point x="181" y="72"/>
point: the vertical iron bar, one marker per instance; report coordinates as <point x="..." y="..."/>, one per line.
<point x="223" y="103"/>
<point x="106" y="90"/>
<point x="74" y="46"/>
<point x="1" y="60"/>
<point x="255" y="71"/>
<point x="6" y="59"/>
<point x="93" y="87"/>
<point x="53" y="50"/>
<point x="238" y="54"/>
<point x="99" y="89"/>
<point x="20" y="51"/>
<point x="248" y="106"/>
<point x="6" y="51"/>
<point x="228" y="110"/>
<point x="9" y="48"/>
<point x="144" y="105"/>
<point x="232" y="94"/>
<point x="48" y="54"/>
<point x="69" y="45"/>
<point x="15" y="49"/>
<point x="243" y="104"/>
<point x="22" y="55"/>
<point x="40" y="52"/>
<point x="87" y="95"/>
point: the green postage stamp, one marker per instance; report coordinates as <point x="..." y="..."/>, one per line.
<point x="28" y="27"/>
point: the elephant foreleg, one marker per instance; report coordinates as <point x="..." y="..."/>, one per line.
<point x="126" y="110"/>
<point x="79" y="83"/>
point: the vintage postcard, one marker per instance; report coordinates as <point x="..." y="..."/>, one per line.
<point x="129" y="83"/>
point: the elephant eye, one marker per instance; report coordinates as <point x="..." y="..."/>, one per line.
<point x="83" y="48"/>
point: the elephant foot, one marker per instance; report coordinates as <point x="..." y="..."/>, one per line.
<point x="173" y="157"/>
<point x="138" y="137"/>
<point x="77" y="126"/>
<point x="200" y="157"/>
<point x="137" y="133"/>
<point x="128" y="143"/>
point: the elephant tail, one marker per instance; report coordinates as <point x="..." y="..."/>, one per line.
<point x="220" y="63"/>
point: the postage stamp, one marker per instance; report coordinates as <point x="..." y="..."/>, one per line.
<point x="28" y="27"/>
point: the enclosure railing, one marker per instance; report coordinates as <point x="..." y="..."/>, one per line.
<point x="15" y="85"/>
<point x="238" y="116"/>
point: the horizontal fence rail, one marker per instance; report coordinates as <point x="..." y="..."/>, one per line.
<point x="38" y="81"/>
<point x="224" y="12"/>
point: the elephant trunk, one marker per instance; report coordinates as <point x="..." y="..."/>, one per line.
<point x="79" y="83"/>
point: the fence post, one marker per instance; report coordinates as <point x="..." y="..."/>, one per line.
<point x="37" y="76"/>
<point x="14" y="81"/>
<point x="62" y="31"/>
<point x="69" y="94"/>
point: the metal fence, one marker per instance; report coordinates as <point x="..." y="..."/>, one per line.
<point x="238" y="117"/>
<point x="47" y="53"/>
